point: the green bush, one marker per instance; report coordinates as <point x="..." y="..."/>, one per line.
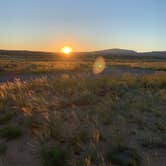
<point x="4" y="118"/>
<point x="10" y="132"/>
<point x="54" y="156"/>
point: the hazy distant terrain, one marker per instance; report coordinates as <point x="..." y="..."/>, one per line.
<point x="108" y="52"/>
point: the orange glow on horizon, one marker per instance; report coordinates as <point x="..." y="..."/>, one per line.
<point x="66" y="50"/>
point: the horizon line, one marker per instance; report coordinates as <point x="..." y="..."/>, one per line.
<point x="46" y="51"/>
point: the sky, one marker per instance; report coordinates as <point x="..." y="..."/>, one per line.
<point x="85" y="25"/>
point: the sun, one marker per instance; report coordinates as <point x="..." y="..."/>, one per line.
<point x="66" y="50"/>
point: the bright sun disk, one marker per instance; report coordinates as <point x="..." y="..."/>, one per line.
<point x="66" y="50"/>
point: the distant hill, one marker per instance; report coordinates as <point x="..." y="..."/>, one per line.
<point x="25" y="55"/>
<point x="154" y="53"/>
<point x="116" y="51"/>
<point x="23" y="52"/>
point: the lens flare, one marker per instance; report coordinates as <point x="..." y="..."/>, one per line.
<point x="99" y="65"/>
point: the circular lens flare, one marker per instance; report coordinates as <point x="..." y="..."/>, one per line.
<point x="99" y="65"/>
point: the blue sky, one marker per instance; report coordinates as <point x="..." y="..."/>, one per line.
<point x="48" y="25"/>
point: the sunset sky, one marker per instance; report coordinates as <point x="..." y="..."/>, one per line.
<point x="48" y="25"/>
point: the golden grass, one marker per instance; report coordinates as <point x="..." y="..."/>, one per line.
<point x="84" y="120"/>
<point x="12" y="66"/>
<point x="140" y="64"/>
<point x="42" y="67"/>
<point x="88" y="115"/>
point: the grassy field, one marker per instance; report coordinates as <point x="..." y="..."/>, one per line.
<point x="82" y="121"/>
<point x="13" y="66"/>
<point x="8" y="66"/>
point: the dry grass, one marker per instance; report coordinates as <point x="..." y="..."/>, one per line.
<point x="88" y="115"/>
<point x="11" y="66"/>
<point x="160" y="66"/>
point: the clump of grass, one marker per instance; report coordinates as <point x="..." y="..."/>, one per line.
<point x="153" y="143"/>
<point x="85" y="99"/>
<point x="76" y="145"/>
<point x="91" y="153"/>
<point x="105" y="117"/>
<point x="54" y="156"/>
<point x="10" y="132"/>
<point x="124" y="156"/>
<point x="79" y="139"/>
<point x="83" y="134"/>
<point x="160" y="126"/>
<point x="3" y="149"/>
<point x="56" y="126"/>
<point x="82" y="162"/>
<point x="96" y="135"/>
<point x="5" y="118"/>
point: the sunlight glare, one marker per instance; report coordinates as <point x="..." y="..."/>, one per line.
<point x="66" y="50"/>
